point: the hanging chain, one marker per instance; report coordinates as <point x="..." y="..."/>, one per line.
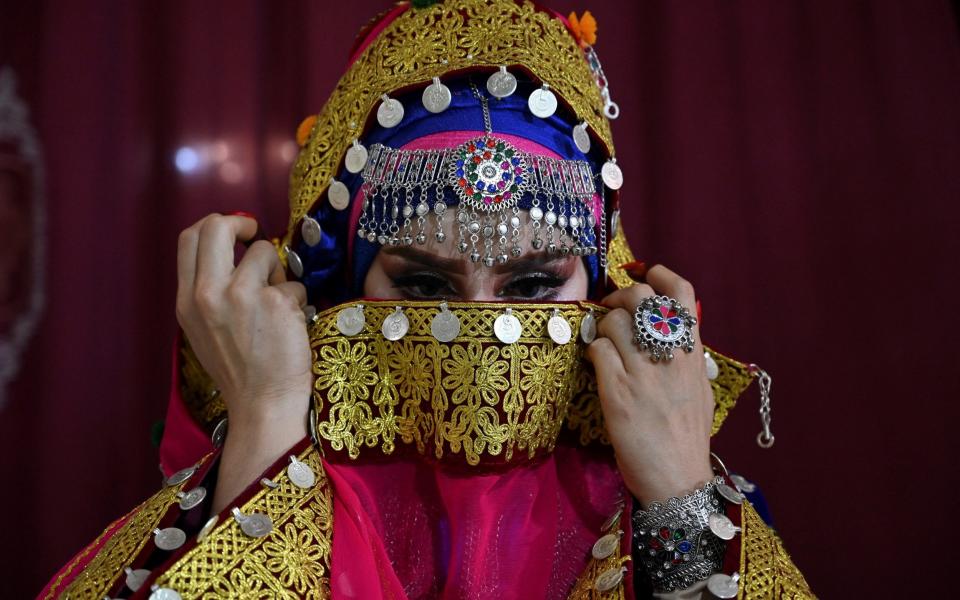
<point x="487" y="124"/>
<point x="765" y="438"/>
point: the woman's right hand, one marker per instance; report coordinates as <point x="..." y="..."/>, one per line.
<point x="247" y="329"/>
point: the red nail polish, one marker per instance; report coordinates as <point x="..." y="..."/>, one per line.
<point x="242" y="213"/>
<point x="636" y="269"/>
<point x="699" y="313"/>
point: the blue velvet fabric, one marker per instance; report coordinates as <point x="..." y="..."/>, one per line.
<point x="325" y="274"/>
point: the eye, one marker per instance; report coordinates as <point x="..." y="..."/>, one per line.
<point x="423" y="286"/>
<point x="533" y="286"/>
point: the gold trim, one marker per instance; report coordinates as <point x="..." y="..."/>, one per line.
<point x="766" y="570"/>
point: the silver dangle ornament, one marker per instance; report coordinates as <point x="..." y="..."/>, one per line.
<point x="193" y="498"/>
<point x="581" y="139"/>
<point x="294" y="262"/>
<point x="350" y="321"/>
<point x="721" y="526"/>
<point x="445" y="326"/>
<point x="615" y="222"/>
<point x="181" y="476"/>
<point x="588" y="328"/>
<point x="338" y="194"/>
<point x="606" y="545"/>
<point x="507" y="327"/>
<point x="611" y="174"/>
<point x="310" y="231"/>
<point x="542" y="102"/>
<point x="559" y="328"/>
<point x="256" y="525"/>
<point x="208" y="527"/>
<point x="396" y="325"/>
<point x="502" y="83"/>
<point x="356" y="158"/>
<point x="609" y="579"/>
<point x="612" y="520"/>
<point x="169" y="538"/>
<point x="162" y="593"/>
<point x="390" y="112"/>
<point x="300" y="473"/>
<point x="729" y="494"/>
<point x="661" y="325"/>
<point x="135" y="577"/>
<point x="713" y="369"/>
<point x="436" y="96"/>
<point x="722" y="585"/>
<point x="742" y="484"/>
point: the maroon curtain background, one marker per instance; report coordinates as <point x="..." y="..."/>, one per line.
<point x="797" y="160"/>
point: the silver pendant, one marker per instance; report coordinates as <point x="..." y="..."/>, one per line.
<point x="395" y="326"/>
<point x="558" y="328"/>
<point x="219" y="433"/>
<point x="507" y="327"/>
<point x="743" y="484"/>
<point x="445" y="326"/>
<point x="588" y="328"/>
<point x="611" y="174"/>
<point x="310" y="314"/>
<point x="294" y="262"/>
<point x="436" y="96"/>
<point x="356" y="158"/>
<point x="161" y="593"/>
<point x="542" y="103"/>
<point x="208" y="527"/>
<point x="502" y="83"/>
<point x="181" y="476"/>
<point x="255" y="524"/>
<point x="310" y="231"/>
<point x="612" y="520"/>
<point x="609" y="579"/>
<point x="267" y="482"/>
<point x="193" y="498"/>
<point x="729" y="494"/>
<point x="713" y="370"/>
<point x="338" y="195"/>
<point x="350" y="321"/>
<point x="169" y="538"/>
<point x="615" y="222"/>
<point x="135" y="577"/>
<point x="581" y="139"/>
<point x="722" y="585"/>
<point x="390" y="112"/>
<point x="606" y="545"/>
<point x="721" y="526"/>
<point x="300" y="474"/>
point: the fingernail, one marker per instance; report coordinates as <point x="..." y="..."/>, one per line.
<point x="699" y="313"/>
<point x="242" y="213"/>
<point x="636" y="269"/>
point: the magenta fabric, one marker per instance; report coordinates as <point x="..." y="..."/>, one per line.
<point x="783" y="156"/>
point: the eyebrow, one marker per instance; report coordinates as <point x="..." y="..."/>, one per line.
<point x="457" y="265"/>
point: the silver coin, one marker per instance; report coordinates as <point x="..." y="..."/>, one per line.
<point x="193" y="498"/>
<point x="164" y="594"/>
<point x="300" y="474"/>
<point x="436" y="96"/>
<point x="338" y="195"/>
<point x="390" y="112"/>
<point x="542" y="102"/>
<point x="507" y="328"/>
<point x="309" y="313"/>
<point x="615" y="222"/>
<point x="445" y="326"/>
<point x="350" y="321"/>
<point x="588" y="328"/>
<point x="612" y="175"/>
<point x="208" y="527"/>
<point x="502" y="83"/>
<point x="721" y="526"/>
<point x="722" y="586"/>
<point x="536" y="213"/>
<point x="310" y="231"/>
<point x="713" y="370"/>
<point x="395" y="326"/>
<point x="550" y="217"/>
<point x="135" y="578"/>
<point x="294" y="262"/>
<point x="356" y="158"/>
<point x="729" y="494"/>
<point x="256" y="524"/>
<point x="559" y="329"/>
<point x="219" y="433"/>
<point x="612" y="520"/>
<point x="181" y="476"/>
<point x="608" y="580"/>
<point x="605" y="546"/>
<point x="169" y="538"/>
<point x="581" y="138"/>
<point x="743" y="484"/>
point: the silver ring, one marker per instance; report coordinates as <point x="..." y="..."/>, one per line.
<point x="662" y="324"/>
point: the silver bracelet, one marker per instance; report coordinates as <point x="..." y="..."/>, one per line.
<point x="674" y="542"/>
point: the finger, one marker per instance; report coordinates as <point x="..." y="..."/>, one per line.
<point x="668" y="283"/>
<point x="628" y="298"/>
<point x="187" y="257"/>
<point x="294" y="290"/>
<point x="215" y="248"/>
<point x="605" y="358"/>
<point x="617" y="326"/>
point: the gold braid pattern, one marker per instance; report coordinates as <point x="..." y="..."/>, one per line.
<point x="430" y="42"/>
<point x="766" y="570"/>
<point x="293" y="561"/>
<point x="585" y="586"/>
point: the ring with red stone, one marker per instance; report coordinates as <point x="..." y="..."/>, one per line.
<point x="662" y="325"/>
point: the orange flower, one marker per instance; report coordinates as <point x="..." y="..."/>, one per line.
<point x="303" y="131"/>
<point x="584" y="28"/>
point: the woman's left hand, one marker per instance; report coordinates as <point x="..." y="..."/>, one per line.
<point x="658" y="414"/>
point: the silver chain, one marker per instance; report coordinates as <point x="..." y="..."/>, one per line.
<point x="487" y="123"/>
<point x="765" y="438"/>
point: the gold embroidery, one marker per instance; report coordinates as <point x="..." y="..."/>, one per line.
<point x="584" y="589"/>
<point x="292" y="561"/>
<point x="619" y="253"/>
<point x="766" y="570"/>
<point x="431" y="42"/>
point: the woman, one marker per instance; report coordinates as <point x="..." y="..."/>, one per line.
<point x="433" y="430"/>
